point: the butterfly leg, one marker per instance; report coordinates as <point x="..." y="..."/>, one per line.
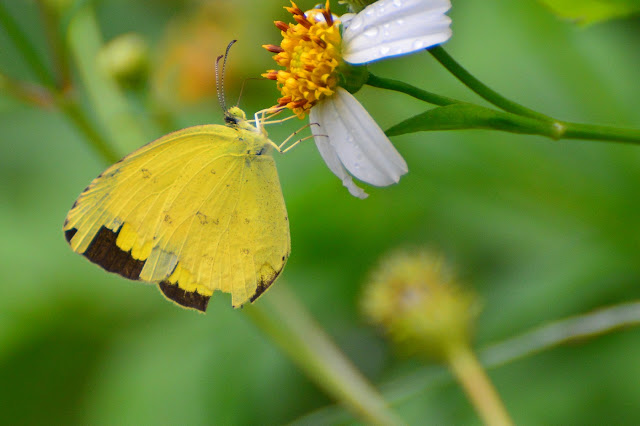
<point x="298" y="141"/>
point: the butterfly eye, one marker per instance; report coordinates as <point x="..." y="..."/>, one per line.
<point x="230" y="119"/>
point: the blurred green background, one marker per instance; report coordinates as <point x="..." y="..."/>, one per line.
<point x="540" y="229"/>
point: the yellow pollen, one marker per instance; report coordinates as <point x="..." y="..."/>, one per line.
<point x="310" y="54"/>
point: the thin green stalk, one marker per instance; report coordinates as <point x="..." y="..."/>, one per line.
<point x="285" y="321"/>
<point x="78" y="117"/>
<point x="26" y="48"/>
<point x="480" y="88"/>
<point x="28" y="93"/>
<point x="58" y="51"/>
<point x="478" y="387"/>
<point x="458" y="115"/>
<point x="593" y="132"/>
<point x="399" y="86"/>
<point x="109" y="103"/>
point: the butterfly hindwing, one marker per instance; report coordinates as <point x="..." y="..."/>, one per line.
<point x="195" y="211"/>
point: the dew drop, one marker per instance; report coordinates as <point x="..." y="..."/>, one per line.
<point x="418" y="44"/>
<point x="397" y="3"/>
<point x="371" y="32"/>
<point x="384" y="50"/>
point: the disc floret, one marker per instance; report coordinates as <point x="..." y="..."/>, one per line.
<point x="310" y="55"/>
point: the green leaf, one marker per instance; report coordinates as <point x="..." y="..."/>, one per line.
<point x="589" y="11"/>
<point x="467" y="116"/>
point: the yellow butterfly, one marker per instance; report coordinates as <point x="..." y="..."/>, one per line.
<point x="195" y="211"/>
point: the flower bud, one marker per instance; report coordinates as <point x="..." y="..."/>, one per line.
<point x="126" y="59"/>
<point x="415" y="299"/>
<point x="358" y="5"/>
<point x="58" y="6"/>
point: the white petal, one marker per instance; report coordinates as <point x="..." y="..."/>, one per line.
<point x="330" y="157"/>
<point x="345" y="19"/>
<point x="395" y="27"/>
<point x="357" y="140"/>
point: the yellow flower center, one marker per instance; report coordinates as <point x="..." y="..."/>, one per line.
<point x="310" y="54"/>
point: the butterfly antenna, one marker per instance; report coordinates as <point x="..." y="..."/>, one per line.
<point x="220" y="76"/>
<point x="219" y="85"/>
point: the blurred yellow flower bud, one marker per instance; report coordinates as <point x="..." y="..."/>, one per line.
<point x="185" y="72"/>
<point x="126" y="59"/>
<point x="415" y="299"/>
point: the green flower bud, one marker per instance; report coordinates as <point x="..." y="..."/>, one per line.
<point x="126" y="59"/>
<point x="358" y="5"/>
<point x="415" y="299"/>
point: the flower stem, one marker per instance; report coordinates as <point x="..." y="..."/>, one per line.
<point x="25" y="47"/>
<point x="57" y="47"/>
<point x="480" y="88"/>
<point x="594" y="132"/>
<point x="285" y="321"/>
<point x="120" y="122"/>
<point x="456" y="115"/>
<point x="31" y="94"/>
<point x="402" y="87"/>
<point x="478" y="387"/>
<point x="78" y="117"/>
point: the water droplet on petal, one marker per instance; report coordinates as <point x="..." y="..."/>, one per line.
<point x="399" y="21"/>
<point x="371" y="32"/>
<point x="418" y="44"/>
<point x="384" y="50"/>
<point x="397" y="3"/>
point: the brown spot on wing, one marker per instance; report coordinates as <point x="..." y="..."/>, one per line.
<point x="104" y="252"/>
<point x="268" y="275"/>
<point x="188" y="299"/>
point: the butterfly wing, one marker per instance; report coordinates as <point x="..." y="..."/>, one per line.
<point x="193" y="211"/>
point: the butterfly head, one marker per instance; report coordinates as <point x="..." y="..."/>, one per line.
<point x="234" y="116"/>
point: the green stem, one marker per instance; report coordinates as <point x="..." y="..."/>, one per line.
<point x="402" y="87"/>
<point x="478" y="387"/>
<point x="28" y="93"/>
<point x="285" y="321"/>
<point x="26" y="48"/>
<point x="120" y="122"/>
<point x="78" y="117"/>
<point x="57" y="48"/>
<point x="480" y="88"/>
<point x="594" y="132"/>
<point x="472" y="116"/>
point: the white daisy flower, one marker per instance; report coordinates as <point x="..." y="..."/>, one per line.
<point x="312" y="52"/>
